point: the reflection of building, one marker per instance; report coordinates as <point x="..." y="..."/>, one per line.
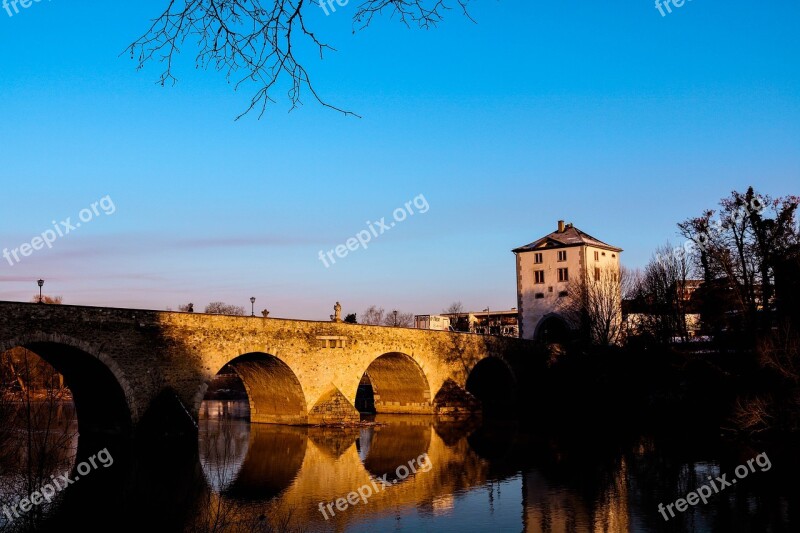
<point x="443" y="504"/>
<point x="486" y="322"/>
<point x="552" y="508"/>
<point x="546" y="268"/>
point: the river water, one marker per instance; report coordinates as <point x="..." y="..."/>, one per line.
<point x="416" y="473"/>
<point x="499" y="476"/>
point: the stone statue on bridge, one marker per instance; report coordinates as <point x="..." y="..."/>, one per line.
<point x="337" y="310"/>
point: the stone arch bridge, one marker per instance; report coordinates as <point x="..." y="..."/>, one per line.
<point x="127" y="366"/>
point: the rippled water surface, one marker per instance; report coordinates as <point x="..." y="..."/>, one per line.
<point x="490" y="477"/>
<point x="437" y="476"/>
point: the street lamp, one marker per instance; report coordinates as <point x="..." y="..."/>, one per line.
<point x="488" y="326"/>
<point x="40" y="282"/>
<point x="395" y="318"/>
<point x="252" y="306"/>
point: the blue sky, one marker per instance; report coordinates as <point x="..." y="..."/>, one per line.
<point x="605" y="114"/>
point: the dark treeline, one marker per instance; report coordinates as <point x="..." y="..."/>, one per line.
<point x="710" y="330"/>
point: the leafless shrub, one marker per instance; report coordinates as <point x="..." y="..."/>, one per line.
<point x="221" y="308"/>
<point x="753" y="415"/>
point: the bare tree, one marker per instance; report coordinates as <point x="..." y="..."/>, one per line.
<point x="221" y="308"/>
<point x="39" y="430"/>
<point x="456" y="308"/>
<point x="259" y="42"/>
<point x="373" y="316"/>
<point x="377" y="316"/>
<point x="661" y="296"/>
<point x="631" y="282"/>
<point x="737" y="248"/>
<point x="397" y="319"/>
<point x="595" y="306"/>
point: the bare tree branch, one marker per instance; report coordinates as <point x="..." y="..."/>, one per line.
<point x="255" y="41"/>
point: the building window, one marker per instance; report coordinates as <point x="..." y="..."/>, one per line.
<point x="597" y="274"/>
<point x="562" y="255"/>
<point x="538" y="276"/>
<point x="539" y="295"/>
<point x="563" y="294"/>
<point x="549" y="289"/>
<point x="597" y="256"/>
<point x="537" y="258"/>
<point x="563" y="274"/>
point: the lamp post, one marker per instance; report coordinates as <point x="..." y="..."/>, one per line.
<point x="395" y="317"/>
<point x="252" y="306"/>
<point x="488" y="327"/>
<point x="40" y="283"/>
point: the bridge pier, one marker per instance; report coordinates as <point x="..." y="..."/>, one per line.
<point x="452" y="400"/>
<point x="333" y="408"/>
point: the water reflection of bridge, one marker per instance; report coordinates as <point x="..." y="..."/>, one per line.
<point x="288" y="467"/>
<point x="293" y="469"/>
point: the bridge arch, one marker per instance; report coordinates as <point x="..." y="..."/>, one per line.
<point x="552" y="328"/>
<point x="103" y="397"/>
<point x="397" y="384"/>
<point x="273" y="390"/>
<point x="493" y="382"/>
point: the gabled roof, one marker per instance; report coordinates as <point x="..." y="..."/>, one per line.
<point x="571" y="236"/>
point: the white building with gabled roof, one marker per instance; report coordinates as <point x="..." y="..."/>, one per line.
<point x="545" y="270"/>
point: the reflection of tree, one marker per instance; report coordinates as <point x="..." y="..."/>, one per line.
<point x="38" y="435"/>
<point x="227" y="448"/>
<point x="571" y="486"/>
